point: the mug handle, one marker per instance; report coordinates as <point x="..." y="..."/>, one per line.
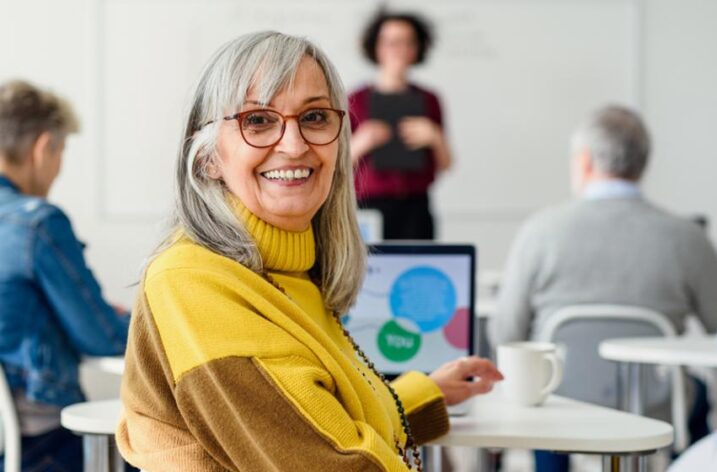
<point x="556" y="374"/>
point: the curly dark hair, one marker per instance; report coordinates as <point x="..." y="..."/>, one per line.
<point x="422" y="28"/>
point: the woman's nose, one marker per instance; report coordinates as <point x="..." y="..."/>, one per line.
<point x="292" y="143"/>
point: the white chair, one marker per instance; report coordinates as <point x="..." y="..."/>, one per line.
<point x="579" y="329"/>
<point x="10" y="426"/>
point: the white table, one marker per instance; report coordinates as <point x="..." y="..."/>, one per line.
<point x="561" y="425"/>
<point x="96" y="422"/>
<point x="696" y="352"/>
<point x="675" y="351"/>
<point x="110" y="365"/>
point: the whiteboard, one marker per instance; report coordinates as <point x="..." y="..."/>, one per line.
<point x="514" y="78"/>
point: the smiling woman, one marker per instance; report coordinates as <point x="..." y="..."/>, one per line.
<point x="237" y="359"/>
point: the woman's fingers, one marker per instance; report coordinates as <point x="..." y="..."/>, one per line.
<point x="478" y="367"/>
<point x="465" y="377"/>
<point x="481" y="386"/>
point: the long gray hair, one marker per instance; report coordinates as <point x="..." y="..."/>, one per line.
<point x="266" y="61"/>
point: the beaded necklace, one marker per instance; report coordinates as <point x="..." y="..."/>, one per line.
<point x="410" y="449"/>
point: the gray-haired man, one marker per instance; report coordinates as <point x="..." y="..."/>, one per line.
<point x="610" y="245"/>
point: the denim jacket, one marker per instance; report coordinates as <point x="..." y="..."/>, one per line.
<point x="51" y="307"/>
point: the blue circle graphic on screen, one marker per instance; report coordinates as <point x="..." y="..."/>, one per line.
<point x="425" y="296"/>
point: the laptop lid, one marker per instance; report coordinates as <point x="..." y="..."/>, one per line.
<point x="415" y="309"/>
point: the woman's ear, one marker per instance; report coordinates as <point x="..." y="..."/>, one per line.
<point x="213" y="170"/>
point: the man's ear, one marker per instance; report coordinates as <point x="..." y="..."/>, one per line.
<point x="586" y="163"/>
<point x="40" y="149"/>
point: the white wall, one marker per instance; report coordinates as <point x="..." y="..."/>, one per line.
<point x="673" y="67"/>
<point x="680" y="102"/>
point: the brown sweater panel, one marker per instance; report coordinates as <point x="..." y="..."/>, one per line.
<point x="253" y="425"/>
<point x="152" y="434"/>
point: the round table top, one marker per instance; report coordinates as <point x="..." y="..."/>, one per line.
<point x="97" y="417"/>
<point x="560" y="424"/>
<point x="682" y="351"/>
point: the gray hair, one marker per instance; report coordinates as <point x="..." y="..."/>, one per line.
<point x="27" y="111"/>
<point x="617" y="140"/>
<point x="266" y="61"/>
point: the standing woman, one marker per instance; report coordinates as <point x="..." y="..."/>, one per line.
<point x="237" y="359"/>
<point x="396" y="42"/>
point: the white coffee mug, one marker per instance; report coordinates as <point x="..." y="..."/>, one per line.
<point x="532" y="371"/>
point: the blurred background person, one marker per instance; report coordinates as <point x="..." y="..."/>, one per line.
<point x="397" y="186"/>
<point x="51" y="308"/>
<point x="609" y="246"/>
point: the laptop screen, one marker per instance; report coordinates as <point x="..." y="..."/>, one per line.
<point x="414" y="311"/>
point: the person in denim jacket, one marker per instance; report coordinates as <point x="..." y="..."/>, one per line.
<point x="51" y="307"/>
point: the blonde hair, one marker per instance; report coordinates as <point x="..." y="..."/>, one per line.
<point x="266" y="61"/>
<point x="27" y="111"/>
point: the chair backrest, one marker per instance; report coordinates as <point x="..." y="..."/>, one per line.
<point x="578" y="331"/>
<point x="10" y="426"/>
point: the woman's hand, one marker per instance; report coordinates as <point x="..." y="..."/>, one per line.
<point x="367" y="137"/>
<point x="418" y="132"/>
<point x="465" y="377"/>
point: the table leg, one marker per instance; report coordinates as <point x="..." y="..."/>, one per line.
<point x="101" y="454"/>
<point x="486" y="461"/>
<point x="624" y="463"/>
<point x="432" y="458"/>
<point x="641" y="464"/>
<point x="637" y="389"/>
<point x="611" y="464"/>
<point x="623" y="386"/>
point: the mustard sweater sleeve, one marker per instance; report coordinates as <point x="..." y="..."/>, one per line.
<point x="424" y="404"/>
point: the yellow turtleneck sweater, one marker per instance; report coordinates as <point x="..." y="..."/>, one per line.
<point x="226" y="372"/>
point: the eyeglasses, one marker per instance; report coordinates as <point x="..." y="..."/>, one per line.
<point x="264" y="128"/>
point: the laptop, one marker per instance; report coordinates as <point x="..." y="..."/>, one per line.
<point x="415" y="309"/>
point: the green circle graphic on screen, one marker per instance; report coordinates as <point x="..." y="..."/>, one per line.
<point x="397" y="343"/>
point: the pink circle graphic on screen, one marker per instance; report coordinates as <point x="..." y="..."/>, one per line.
<point x="456" y="331"/>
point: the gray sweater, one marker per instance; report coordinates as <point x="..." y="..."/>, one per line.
<point x="619" y="251"/>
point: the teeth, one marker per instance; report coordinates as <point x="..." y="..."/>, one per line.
<point x="288" y="174"/>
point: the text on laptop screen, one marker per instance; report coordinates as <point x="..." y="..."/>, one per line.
<point x="414" y="311"/>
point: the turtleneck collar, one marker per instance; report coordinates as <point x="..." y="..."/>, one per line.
<point x="281" y="250"/>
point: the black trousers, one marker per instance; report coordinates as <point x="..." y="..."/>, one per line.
<point x="403" y="218"/>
